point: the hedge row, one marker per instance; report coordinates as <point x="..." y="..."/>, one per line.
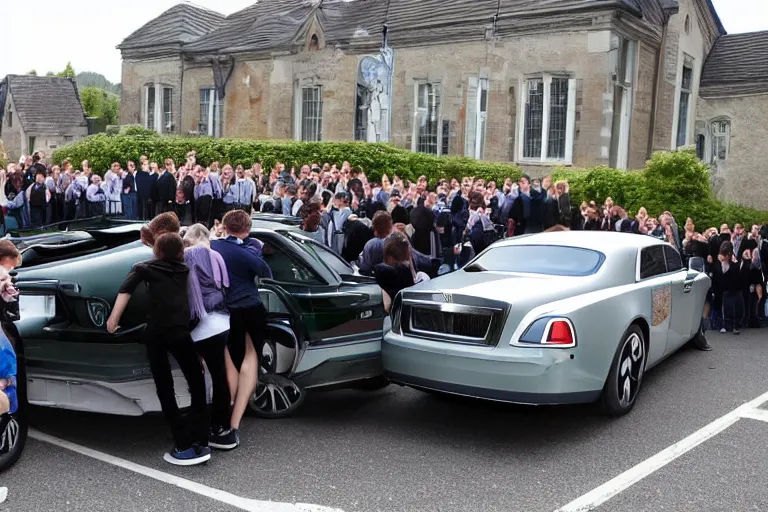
<point x="674" y="181"/>
<point x="375" y="159"/>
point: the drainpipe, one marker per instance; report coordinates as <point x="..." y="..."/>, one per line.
<point x="657" y="81"/>
<point x="181" y="96"/>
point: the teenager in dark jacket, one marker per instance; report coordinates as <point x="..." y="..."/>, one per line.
<point x="248" y="317"/>
<point x="727" y="275"/>
<point x="165" y="189"/>
<point x="168" y="332"/>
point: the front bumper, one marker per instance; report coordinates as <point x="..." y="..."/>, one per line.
<point x="507" y="374"/>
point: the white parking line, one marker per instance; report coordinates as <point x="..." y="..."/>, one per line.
<point x="203" y="490"/>
<point x="608" y="490"/>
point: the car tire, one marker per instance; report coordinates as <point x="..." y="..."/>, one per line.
<point x="276" y="397"/>
<point x="372" y="384"/>
<point x="625" y="377"/>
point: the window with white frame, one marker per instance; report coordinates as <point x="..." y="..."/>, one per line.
<point x="158" y="108"/>
<point x="622" y="104"/>
<point x="477" y="116"/>
<point x="211" y="108"/>
<point x="427" y="137"/>
<point x="686" y="87"/>
<point x="547" y="125"/>
<point x="721" y="136"/>
<point x="310" y="110"/>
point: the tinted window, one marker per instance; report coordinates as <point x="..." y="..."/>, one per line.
<point x="652" y="262"/>
<point x="285" y="268"/>
<point x="323" y="255"/>
<point x="539" y="259"/>
<point x="674" y="261"/>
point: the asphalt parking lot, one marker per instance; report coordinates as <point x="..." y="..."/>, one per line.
<point x="687" y="446"/>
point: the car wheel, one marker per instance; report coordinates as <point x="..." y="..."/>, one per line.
<point x="276" y="397"/>
<point x="626" y="376"/>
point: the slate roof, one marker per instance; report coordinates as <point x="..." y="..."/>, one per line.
<point x="181" y="23"/>
<point x="276" y="24"/>
<point x="46" y="104"/>
<point x="736" y="66"/>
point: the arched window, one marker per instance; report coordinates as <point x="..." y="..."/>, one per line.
<point x="687" y="24"/>
<point x="314" y="43"/>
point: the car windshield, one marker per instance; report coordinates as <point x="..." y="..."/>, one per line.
<point x="553" y="260"/>
<point x="322" y="254"/>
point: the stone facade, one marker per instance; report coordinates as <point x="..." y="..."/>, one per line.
<point x="261" y="92"/>
<point x="739" y="177"/>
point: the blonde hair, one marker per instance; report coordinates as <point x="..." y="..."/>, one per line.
<point x="197" y="234"/>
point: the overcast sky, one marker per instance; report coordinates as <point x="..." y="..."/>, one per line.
<point x="86" y="32"/>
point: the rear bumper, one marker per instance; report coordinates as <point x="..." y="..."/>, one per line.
<point x="508" y="374"/>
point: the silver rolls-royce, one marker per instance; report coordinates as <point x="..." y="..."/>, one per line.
<point x="552" y="318"/>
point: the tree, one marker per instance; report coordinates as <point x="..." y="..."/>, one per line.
<point x="32" y="72"/>
<point x="50" y="73"/>
<point x="100" y="103"/>
<point x="69" y="72"/>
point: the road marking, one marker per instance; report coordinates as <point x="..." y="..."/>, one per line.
<point x="203" y="490"/>
<point x="755" y="414"/>
<point x="608" y="490"/>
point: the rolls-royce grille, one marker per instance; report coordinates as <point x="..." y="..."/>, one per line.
<point x="455" y="324"/>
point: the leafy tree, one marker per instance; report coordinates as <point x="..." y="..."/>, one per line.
<point x="100" y="103"/>
<point x="69" y="72"/>
<point x="50" y="73"/>
<point x="32" y="72"/>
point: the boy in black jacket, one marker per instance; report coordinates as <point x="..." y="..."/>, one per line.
<point x="168" y="332"/>
<point x="727" y="276"/>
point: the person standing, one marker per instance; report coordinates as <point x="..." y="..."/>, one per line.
<point x="166" y="188"/>
<point x="38" y="197"/>
<point x="726" y="274"/>
<point x="167" y="333"/>
<point x="248" y="317"/>
<point x="208" y="280"/>
<point x="145" y="180"/>
<point x="128" y="195"/>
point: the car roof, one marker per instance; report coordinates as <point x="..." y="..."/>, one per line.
<point x="603" y="241"/>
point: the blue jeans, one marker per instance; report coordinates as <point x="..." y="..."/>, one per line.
<point x="733" y="310"/>
<point x="130" y="206"/>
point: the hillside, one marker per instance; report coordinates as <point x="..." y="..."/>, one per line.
<point x="91" y="79"/>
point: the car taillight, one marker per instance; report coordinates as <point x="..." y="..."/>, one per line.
<point x="560" y="333"/>
<point x="549" y="332"/>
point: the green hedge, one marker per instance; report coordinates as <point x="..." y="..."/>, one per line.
<point x="674" y="181"/>
<point x="376" y="159"/>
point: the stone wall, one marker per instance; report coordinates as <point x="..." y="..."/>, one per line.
<point x="137" y="74"/>
<point x="739" y="179"/>
<point x="13" y="136"/>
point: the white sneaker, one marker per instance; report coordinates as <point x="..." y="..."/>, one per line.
<point x="3" y="494"/>
<point x="723" y="331"/>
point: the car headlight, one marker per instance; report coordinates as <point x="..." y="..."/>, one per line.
<point x="556" y="332"/>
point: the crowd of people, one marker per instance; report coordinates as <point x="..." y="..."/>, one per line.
<point x="446" y="223"/>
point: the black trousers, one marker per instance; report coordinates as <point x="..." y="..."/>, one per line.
<point x="193" y="429"/>
<point x="212" y="352"/>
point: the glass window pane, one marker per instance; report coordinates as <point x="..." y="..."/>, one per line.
<point x="682" y="119"/>
<point x="311" y="113"/>
<point x="150" y="107"/>
<point x="652" y="262"/>
<point x="205" y="103"/>
<point x="428" y="134"/>
<point x="558" y="113"/>
<point x="534" y="113"/>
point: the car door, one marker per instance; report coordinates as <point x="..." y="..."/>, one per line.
<point x="682" y="304"/>
<point x="654" y="279"/>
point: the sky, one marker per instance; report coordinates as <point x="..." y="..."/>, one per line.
<point x="85" y="32"/>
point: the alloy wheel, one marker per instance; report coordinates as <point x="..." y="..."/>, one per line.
<point x="630" y="371"/>
<point x="276" y="396"/>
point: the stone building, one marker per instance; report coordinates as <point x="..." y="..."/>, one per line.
<point x="39" y="113"/>
<point x="732" y="116"/>
<point x="562" y="82"/>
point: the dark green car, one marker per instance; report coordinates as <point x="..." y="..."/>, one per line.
<point x="325" y="320"/>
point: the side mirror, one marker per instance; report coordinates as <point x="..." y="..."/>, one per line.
<point x="696" y="263"/>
